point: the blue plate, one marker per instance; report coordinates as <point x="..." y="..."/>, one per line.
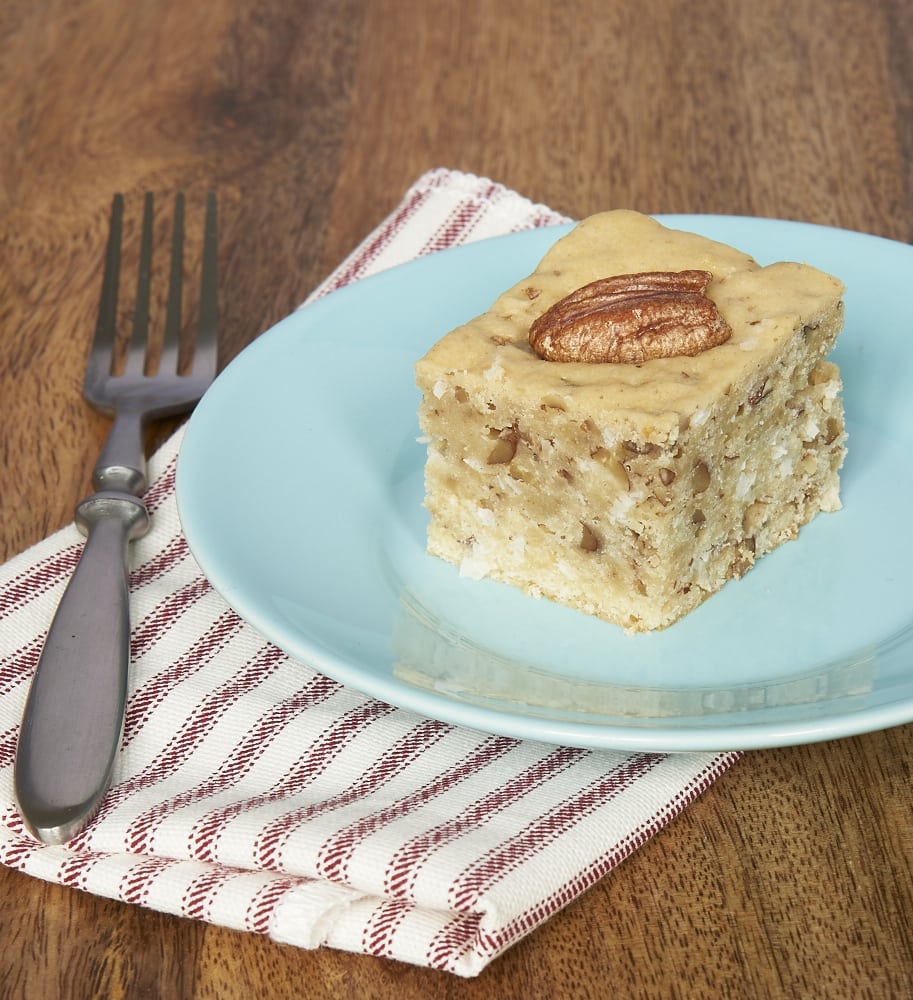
<point x="300" y="492"/>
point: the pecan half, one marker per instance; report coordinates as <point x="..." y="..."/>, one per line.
<point x="632" y="318"/>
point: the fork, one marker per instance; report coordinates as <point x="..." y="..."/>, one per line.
<point x="74" y="715"/>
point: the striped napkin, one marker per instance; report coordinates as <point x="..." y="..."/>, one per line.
<point x="254" y="793"/>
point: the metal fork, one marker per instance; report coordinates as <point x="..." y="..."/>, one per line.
<point x="73" y="719"/>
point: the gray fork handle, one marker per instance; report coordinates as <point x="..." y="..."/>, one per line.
<point x="73" y="720"/>
<point x="121" y="465"/>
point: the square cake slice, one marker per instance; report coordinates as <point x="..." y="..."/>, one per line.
<point x="633" y="488"/>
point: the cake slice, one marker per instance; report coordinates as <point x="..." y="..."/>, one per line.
<point x="664" y="429"/>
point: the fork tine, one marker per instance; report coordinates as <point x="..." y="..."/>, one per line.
<point x="102" y="351"/>
<point x="205" y="350"/>
<point x="136" y="357"/>
<point x="171" y="343"/>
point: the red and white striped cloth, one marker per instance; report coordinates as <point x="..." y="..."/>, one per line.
<point x="254" y="793"/>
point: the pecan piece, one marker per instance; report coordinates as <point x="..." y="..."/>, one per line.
<point x="632" y="318"/>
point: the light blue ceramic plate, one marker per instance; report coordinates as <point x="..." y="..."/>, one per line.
<point x="300" y="490"/>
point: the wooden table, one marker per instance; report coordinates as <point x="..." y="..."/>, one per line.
<point x="792" y="876"/>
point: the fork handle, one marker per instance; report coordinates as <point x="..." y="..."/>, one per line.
<point x="121" y="466"/>
<point x="73" y="720"/>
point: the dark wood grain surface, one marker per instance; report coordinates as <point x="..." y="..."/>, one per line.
<point x="791" y="876"/>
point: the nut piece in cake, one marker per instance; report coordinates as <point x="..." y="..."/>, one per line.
<point x="681" y="422"/>
<point x="631" y="318"/>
